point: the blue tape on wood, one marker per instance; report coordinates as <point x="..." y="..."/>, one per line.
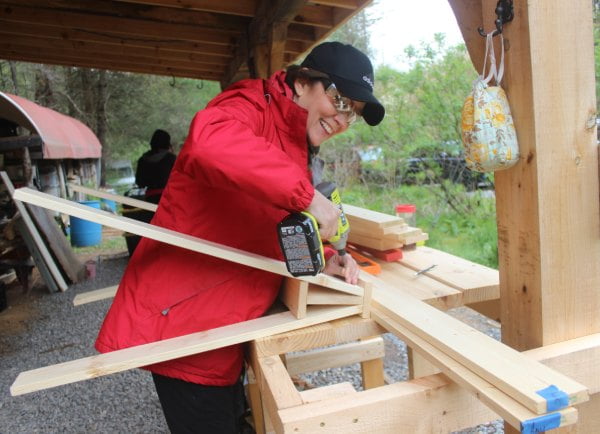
<point x="541" y="423"/>
<point x="555" y="398"/>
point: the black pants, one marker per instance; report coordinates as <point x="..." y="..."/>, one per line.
<point x="195" y="408"/>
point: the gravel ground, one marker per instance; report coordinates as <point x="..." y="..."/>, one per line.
<point x="41" y="329"/>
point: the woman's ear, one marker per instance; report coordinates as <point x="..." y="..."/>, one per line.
<point x="300" y="87"/>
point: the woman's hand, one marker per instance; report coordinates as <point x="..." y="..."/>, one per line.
<point x="326" y="214"/>
<point x="344" y="266"/>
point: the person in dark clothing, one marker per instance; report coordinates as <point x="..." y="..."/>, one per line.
<point x="154" y="167"/>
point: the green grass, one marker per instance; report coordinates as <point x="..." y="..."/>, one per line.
<point x="107" y="244"/>
<point x="458" y="222"/>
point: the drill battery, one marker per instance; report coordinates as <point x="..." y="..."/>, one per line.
<point x="301" y="244"/>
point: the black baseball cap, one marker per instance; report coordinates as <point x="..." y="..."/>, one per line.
<point x="351" y="72"/>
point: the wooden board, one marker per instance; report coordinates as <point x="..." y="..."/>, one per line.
<point x="327" y="392"/>
<point x="373" y="242"/>
<point x="35" y="235"/>
<point x="37" y="258"/>
<point x="320" y="335"/>
<point x="368" y="218"/>
<point x="320" y="295"/>
<point x="505" y="368"/>
<point x="169" y="349"/>
<point x="333" y="357"/>
<point x="452" y="270"/>
<point x="114" y="197"/>
<point x="394" y="275"/>
<point x="293" y="294"/>
<point x="175" y="238"/>
<point x="58" y="244"/>
<point x="507" y="408"/>
<point x="429" y="405"/>
<point x="96" y="295"/>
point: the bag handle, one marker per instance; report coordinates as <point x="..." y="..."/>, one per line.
<point x="496" y="72"/>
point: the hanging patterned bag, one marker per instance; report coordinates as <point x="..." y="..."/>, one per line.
<point x="488" y="131"/>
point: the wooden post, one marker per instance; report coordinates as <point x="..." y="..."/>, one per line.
<point x="548" y="214"/>
<point x="547" y="205"/>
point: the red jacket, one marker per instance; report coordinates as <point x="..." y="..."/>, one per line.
<point x="242" y="169"/>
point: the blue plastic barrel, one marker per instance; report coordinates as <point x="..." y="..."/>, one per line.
<point x="109" y="205"/>
<point x="84" y="232"/>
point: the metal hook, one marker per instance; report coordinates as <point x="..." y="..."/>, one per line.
<point x="201" y="85"/>
<point x="172" y="82"/>
<point x="504" y="12"/>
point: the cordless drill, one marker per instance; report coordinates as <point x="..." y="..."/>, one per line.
<point x="300" y="240"/>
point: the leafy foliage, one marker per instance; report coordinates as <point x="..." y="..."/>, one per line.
<point x="470" y="232"/>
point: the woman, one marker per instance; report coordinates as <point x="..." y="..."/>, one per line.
<point x="242" y="169"/>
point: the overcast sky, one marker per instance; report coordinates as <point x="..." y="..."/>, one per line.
<point x="402" y="23"/>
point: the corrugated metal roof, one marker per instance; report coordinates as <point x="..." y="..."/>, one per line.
<point x="62" y="135"/>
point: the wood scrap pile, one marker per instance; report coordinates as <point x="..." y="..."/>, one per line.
<point x="47" y="245"/>
<point x="379" y="231"/>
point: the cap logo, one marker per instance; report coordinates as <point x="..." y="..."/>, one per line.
<point x="368" y="80"/>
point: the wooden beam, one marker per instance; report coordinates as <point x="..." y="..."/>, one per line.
<point x="293" y="295"/>
<point x="321" y="335"/>
<point x="326" y="392"/>
<point x="18" y="142"/>
<point x="469" y="16"/>
<point x="427" y="405"/>
<point x="136" y="203"/>
<point x="133" y="11"/>
<point x="577" y="358"/>
<point x="523" y="379"/>
<point x="117" y="25"/>
<point x="174" y="238"/>
<point x="504" y="404"/>
<point x="238" y="7"/>
<point x="320" y="295"/>
<point x="547" y="205"/>
<point x="149" y="55"/>
<point x="102" y="58"/>
<point x="114" y="66"/>
<point x="169" y="349"/>
<point x="268" y="32"/>
<point x="166" y="43"/>
<point x="96" y="295"/>
<point x="452" y="270"/>
<point x="333" y="357"/>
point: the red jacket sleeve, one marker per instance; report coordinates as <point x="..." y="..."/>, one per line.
<point x="224" y="149"/>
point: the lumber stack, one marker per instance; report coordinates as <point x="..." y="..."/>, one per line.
<point x="379" y="231"/>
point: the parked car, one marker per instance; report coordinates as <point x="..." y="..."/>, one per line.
<point x="441" y="167"/>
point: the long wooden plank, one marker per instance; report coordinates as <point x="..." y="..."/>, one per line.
<point x="58" y="244"/>
<point x="321" y="335"/>
<point x="524" y="379"/>
<point x="37" y="256"/>
<point x="510" y="410"/>
<point x="578" y="358"/>
<point x="451" y="270"/>
<point x="169" y="349"/>
<point x="39" y="243"/>
<point x="175" y="238"/>
<point x="96" y="295"/>
<point x="136" y="203"/>
<point x="333" y="357"/>
<point x="428" y="405"/>
<point x="368" y="218"/>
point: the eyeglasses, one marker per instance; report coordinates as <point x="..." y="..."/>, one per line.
<point x="342" y="104"/>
